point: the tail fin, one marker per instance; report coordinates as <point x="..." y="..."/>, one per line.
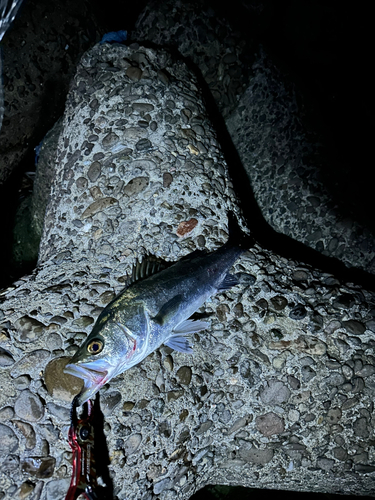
<point x="237" y="237"/>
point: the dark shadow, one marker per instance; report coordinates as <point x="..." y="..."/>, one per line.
<point x="219" y="492"/>
<point x="102" y="453"/>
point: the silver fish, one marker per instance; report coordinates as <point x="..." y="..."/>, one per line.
<point x="155" y="311"/>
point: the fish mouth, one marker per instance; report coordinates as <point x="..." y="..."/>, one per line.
<point x="93" y="378"/>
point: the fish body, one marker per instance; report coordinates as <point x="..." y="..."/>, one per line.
<point x="155" y="311"/>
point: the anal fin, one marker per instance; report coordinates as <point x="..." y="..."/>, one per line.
<point x="229" y="281"/>
<point x="180" y="343"/>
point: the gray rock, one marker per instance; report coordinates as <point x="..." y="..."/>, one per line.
<point x="132" y="444"/>
<point x="361" y="428"/>
<point x="31" y="364"/>
<point x="28" y="432"/>
<point x="269" y="424"/>
<point x="54" y="488"/>
<point x="8" y="440"/>
<point x="275" y="392"/>
<point x="6" y="359"/>
<point x="256" y="456"/>
<point x="28" y="406"/>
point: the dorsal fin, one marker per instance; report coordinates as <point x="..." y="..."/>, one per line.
<point x="148" y="266"/>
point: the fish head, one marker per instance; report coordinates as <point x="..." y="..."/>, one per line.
<point x="108" y="351"/>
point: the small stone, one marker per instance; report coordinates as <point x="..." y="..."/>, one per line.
<point x="110" y="140"/>
<point x="366" y="371"/>
<point x="298" y="312"/>
<point x="109" y="401"/>
<point x="167" y="179"/>
<point x="358" y="384"/>
<point x="186" y="227"/>
<point x="340" y="454"/>
<point x="10" y="463"/>
<point x="54" y="488"/>
<point x="275" y="392"/>
<point x="168" y="363"/>
<point x="28" y="406"/>
<point x="238" y="424"/>
<point x="83" y="321"/>
<point x="307" y="373"/>
<point x="360" y="428"/>
<point x="225" y="417"/>
<point x="106" y="297"/>
<point x="143" y="107"/>
<point x="94" y="171"/>
<point x="28" y="432"/>
<point x="39" y="467"/>
<point x="325" y="463"/>
<point x="128" y="405"/>
<point x="278" y="302"/>
<point x="184" y="375"/>
<point x="6" y="413"/>
<point x="59" y="384"/>
<point x="94" y="104"/>
<point x="134" y="134"/>
<point x="334" y="415"/>
<point x="293" y="415"/>
<point x="300" y="275"/>
<point x="335" y="378"/>
<point x="269" y="424"/>
<point x="222" y="310"/>
<point x="98" y="206"/>
<point x="204" y="427"/>
<point x="8" y="440"/>
<point x="364" y="469"/>
<point x="31" y="364"/>
<point x="229" y="58"/>
<point x="136" y="185"/>
<point x="163" y="77"/>
<point x="6" y="359"/>
<point x="143" y="145"/>
<point x="134" y="73"/>
<point x="354" y="327"/>
<point x="174" y="395"/>
<point x="256" y="456"/>
<point x="59" y="412"/>
<point x="132" y="443"/>
<point x="29" y="329"/>
<point x="293" y="382"/>
<point x="81" y="183"/>
<point x="162" y="485"/>
<point x="24" y="490"/>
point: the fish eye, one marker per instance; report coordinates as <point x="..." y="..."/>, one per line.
<point x="95" y="346"/>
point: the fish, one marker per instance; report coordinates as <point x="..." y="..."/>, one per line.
<point x="155" y="309"/>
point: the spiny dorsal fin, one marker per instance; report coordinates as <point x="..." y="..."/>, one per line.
<point x="148" y="266"/>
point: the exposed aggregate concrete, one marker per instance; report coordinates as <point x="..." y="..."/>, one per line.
<point x="284" y="161"/>
<point x="278" y="393"/>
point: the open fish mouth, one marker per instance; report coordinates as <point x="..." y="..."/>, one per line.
<point x="93" y="379"/>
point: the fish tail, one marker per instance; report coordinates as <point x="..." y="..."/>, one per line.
<point x="237" y="237"/>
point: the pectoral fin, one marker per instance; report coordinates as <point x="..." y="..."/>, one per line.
<point x="168" y="310"/>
